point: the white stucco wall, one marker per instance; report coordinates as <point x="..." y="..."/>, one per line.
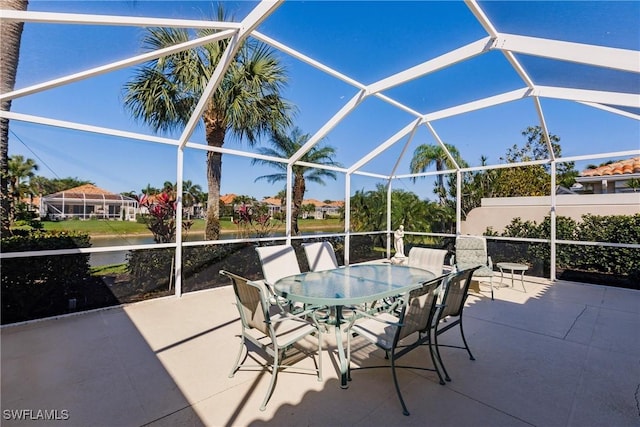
<point x="498" y="212"/>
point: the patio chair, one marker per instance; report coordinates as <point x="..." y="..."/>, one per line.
<point x="417" y="312"/>
<point x="428" y="259"/>
<point x="450" y="315"/>
<point x="471" y="251"/>
<point x="277" y="262"/>
<point x="320" y="256"/>
<point x="277" y="335"/>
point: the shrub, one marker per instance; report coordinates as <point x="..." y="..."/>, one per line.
<point x="621" y="262"/>
<point x="33" y="288"/>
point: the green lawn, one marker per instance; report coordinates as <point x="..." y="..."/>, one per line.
<point x="101" y="227"/>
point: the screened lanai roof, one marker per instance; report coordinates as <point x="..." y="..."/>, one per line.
<point x="373" y="79"/>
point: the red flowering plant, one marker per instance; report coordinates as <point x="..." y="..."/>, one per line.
<point x="254" y="219"/>
<point x="161" y="220"/>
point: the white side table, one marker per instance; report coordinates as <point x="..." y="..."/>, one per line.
<point x="514" y="268"/>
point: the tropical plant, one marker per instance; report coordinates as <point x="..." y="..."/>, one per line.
<point x="150" y="190"/>
<point x="246" y="104"/>
<point x="426" y="155"/>
<point x="369" y="212"/>
<point x="170" y="188"/>
<point x="190" y="196"/>
<point x="21" y="170"/>
<point x="368" y="209"/>
<point x="255" y="218"/>
<point x="633" y="184"/>
<point x="284" y="146"/>
<point x="161" y="219"/>
<point x="308" y="209"/>
<point x="10" y="35"/>
<point x="243" y="199"/>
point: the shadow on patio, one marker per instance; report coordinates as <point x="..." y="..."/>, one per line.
<point x="564" y="354"/>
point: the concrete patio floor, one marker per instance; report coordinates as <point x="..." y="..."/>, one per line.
<point x="562" y="354"/>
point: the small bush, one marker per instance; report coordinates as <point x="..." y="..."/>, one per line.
<point x="42" y="286"/>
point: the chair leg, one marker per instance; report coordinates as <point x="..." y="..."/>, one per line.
<point x="435" y="358"/>
<point x="405" y="411"/>
<point x="274" y="374"/>
<point x="319" y="356"/>
<point x="237" y="364"/>
<point x="349" y="335"/>
<point x="464" y="340"/>
<point x="444" y="370"/>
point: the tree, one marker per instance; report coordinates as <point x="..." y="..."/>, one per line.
<point x="634" y="184"/>
<point x="369" y="211"/>
<point x="475" y="186"/>
<point x="10" y="37"/>
<point x="21" y="170"/>
<point x="190" y="195"/>
<point x="426" y="155"/>
<point x="243" y="199"/>
<point x="150" y="191"/>
<point x="532" y="180"/>
<point x="284" y="146"/>
<point x="308" y="209"/>
<point x="43" y="186"/>
<point x="247" y="104"/>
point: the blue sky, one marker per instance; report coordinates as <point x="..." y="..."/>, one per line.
<point x="366" y="41"/>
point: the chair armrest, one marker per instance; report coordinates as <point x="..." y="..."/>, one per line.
<point x="489" y="262"/>
<point x="363" y="314"/>
<point x="287" y="315"/>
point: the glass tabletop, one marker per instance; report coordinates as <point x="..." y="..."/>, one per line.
<point x="354" y="284"/>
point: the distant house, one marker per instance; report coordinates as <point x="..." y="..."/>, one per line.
<point x="323" y="209"/>
<point x="274" y="205"/>
<point x="86" y="202"/>
<point x="227" y="199"/>
<point x="612" y="178"/>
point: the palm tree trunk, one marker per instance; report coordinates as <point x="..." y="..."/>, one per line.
<point x="215" y="133"/>
<point x="10" y="35"/>
<point x="299" y="188"/>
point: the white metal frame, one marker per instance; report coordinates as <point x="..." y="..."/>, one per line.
<point x="508" y="44"/>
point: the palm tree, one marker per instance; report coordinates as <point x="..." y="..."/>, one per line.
<point x="285" y="146"/>
<point x="633" y="184"/>
<point x="246" y="104"/>
<point x="170" y="188"/>
<point x="10" y="35"/>
<point x="426" y="155"/>
<point x="190" y="195"/>
<point x="20" y="171"/>
<point x="150" y="191"/>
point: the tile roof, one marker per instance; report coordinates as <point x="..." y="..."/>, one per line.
<point x="623" y="167"/>
<point x="227" y="198"/>
<point x="82" y="191"/>
<point x="318" y="203"/>
<point x="272" y="201"/>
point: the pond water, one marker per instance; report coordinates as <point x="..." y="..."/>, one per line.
<point x="118" y="257"/>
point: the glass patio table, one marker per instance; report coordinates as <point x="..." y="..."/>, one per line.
<point x="347" y="286"/>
